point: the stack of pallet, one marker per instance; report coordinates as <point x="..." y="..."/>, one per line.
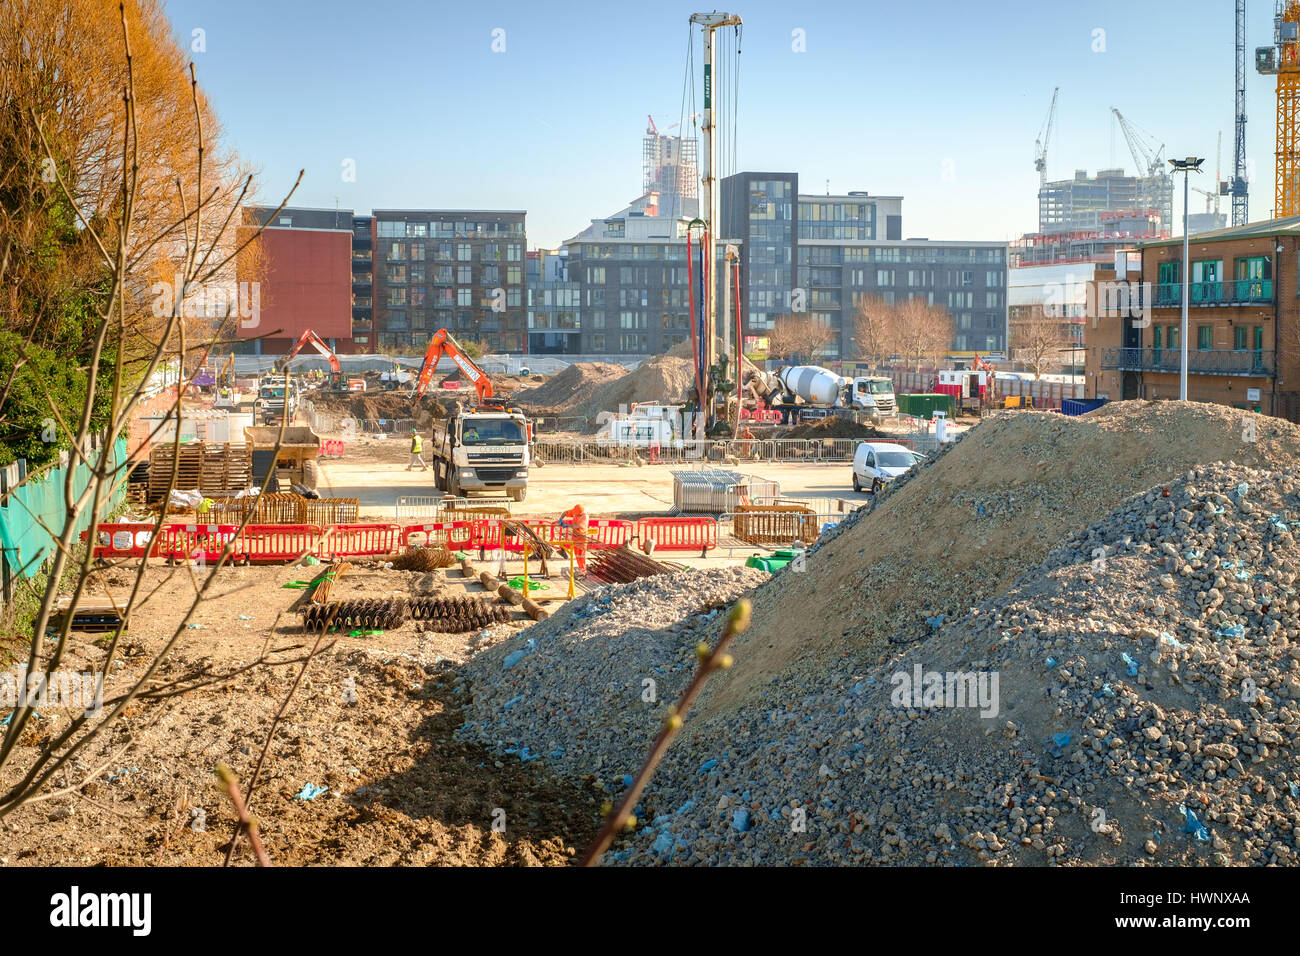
<point x="214" y="469"/>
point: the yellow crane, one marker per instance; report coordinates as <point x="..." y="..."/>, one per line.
<point x="1283" y="59"/>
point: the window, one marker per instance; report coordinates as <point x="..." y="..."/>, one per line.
<point x="1156" y="344"/>
<point x="396" y="296"/>
<point x="991" y="300"/>
<point x="416" y="273"/>
<point x="417" y="252"/>
<point x="1171" y="336"/>
<point x="491" y="252"/>
<point x="417" y="228"/>
<point x="286" y="220"/>
<point x="514" y="252"/>
<point x="884" y="277"/>
<point x="396" y="273"/>
<point x="595" y="274"/>
<point x="397" y="251"/>
<point x="514" y="275"/>
<point x="464" y="297"/>
<point x="417" y="297"/>
<point x="444" y="250"/>
<point x="514" y="298"/>
<point x="1169" y="272"/>
<point x="1207" y="270"/>
<point x="463" y="274"/>
<point x="464" y="252"/>
<point x="598" y="321"/>
<point x="443" y="274"/>
<point x="598" y="343"/>
<point x="1259" y="338"/>
<point x="1205" y="337"/>
<point x="967" y="278"/>
<point x="491" y="275"/>
<point x="1239" y="337"/>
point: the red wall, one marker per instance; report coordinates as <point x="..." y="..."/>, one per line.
<point x="306" y="284"/>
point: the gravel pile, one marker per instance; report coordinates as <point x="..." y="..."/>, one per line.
<point x="573" y="688"/>
<point x="1147" y="703"/>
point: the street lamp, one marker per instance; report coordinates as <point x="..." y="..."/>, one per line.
<point x="1189" y="165"/>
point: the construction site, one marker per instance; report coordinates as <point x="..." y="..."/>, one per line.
<point x="713" y="607"/>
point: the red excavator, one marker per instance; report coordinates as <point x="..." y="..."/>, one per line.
<point x="338" y="382"/>
<point x="443" y="343"/>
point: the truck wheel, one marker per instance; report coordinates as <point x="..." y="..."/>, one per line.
<point x="438" y="483"/>
<point x="857" y="485"/>
<point x="453" y="484"/>
<point x="517" y="494"/>
<point x="310" y="474"/>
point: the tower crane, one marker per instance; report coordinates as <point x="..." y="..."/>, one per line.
<point x="1237" y="187"/>
<point x="1283" y="60"/>
<point x="1149" y="163"/>
<point x="1044" y="136"/>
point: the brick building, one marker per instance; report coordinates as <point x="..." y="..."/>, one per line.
<point x="1243" y="323"/>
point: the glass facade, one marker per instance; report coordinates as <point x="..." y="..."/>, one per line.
<point x="473" y="284"/>
<point x="836" y="219"/>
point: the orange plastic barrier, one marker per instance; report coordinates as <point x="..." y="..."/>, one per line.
<point x="451" y="534"/>
<point x="202" y="542"/>
<point x="331" y="448"/>
<point x="601" y="532"/>
<point x="680" y="534"/>
<point x="279" y="542"/>
<point x="348" y="540"/>
<point x="123" y="539"/>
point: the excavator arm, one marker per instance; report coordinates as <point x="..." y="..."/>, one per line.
<point x="310" y="336"/>
<point x="444" y="344"/>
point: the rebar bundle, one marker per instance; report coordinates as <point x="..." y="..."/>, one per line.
<point x="485" y="615"/>
<point x="620" y="565"/>
<point x="369" y="613"/>
<point x="424" y="559"/>
<point x="434" y="608"/>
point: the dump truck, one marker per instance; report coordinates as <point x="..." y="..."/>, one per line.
<point x="484" y="448"/>
<point x="294" y="462"/>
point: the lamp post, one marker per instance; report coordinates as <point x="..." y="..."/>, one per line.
<point x="1185" y="166"/>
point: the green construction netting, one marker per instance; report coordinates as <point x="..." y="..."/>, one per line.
<point x="27" y="545"/>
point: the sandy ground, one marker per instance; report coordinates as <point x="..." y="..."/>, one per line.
<point x="372" y="722"/>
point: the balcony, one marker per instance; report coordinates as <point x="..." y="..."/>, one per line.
<point x="1231" y="292"/>
<point x="1252" y="362"/>
<point x="362" y="278"/>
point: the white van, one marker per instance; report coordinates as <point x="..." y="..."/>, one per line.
<point x="875" y="463"/>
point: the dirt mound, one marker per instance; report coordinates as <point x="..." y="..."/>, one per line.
<point x="572" y="387"/>
<point x="663" y="378"/>
<point x="371" y="406"/>
<point x="963" y="528"/>
<point x="834" y="426"/>
<point x="1129" y="702"/>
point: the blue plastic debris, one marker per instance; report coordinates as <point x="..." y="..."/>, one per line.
<point x="514" y="657"/>
<point x="663" y="844"/>
<point x="1294" y="788"/>
<point x="1242" y="575"/>
<point x="690" y="803"/>
<point x="1132" y="664"/>
<point x="1193" y="825"/>
<point x="526" y="755"/>
<point x="936" y="621"/>
<point x="627" y="780"/>
<point x="1051" y="662"/>
<point x="1242" y="489"/>
<point x="1194" y="555"/>
<point x="1167" y="638"/>
<point x="740" y="820"/>
<point x="1237" y="630"/>
<point x="708" y="765"/>
<point x="1061" y="740"/>
<point x="557" y="752"/>
<point x="1278" y="522"/>
<point x="310" y="791"/>
<point x="511" y="702"/>
<point x="122" y="773"/>
<point x="1106" y="691"/>
<point x="979" y="510"/>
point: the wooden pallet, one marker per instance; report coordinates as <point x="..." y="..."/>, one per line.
<point x="214" y="469"/>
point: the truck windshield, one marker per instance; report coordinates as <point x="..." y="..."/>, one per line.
<point x="492" y="431"/>
<point x="895" y="459"/>
<point x="273" y="393"/>
<point x="882" y="387"/>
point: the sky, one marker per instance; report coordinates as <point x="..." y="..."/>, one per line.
<point x="542" y="106"/>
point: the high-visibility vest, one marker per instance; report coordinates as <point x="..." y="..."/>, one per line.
<point x="417" y="445"/>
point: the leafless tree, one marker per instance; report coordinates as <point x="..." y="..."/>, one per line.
<point x="924" y="333"/>
<point x="799" y="337"/>
<point x="875" y="330"/>
<point x="1037" y="341"/>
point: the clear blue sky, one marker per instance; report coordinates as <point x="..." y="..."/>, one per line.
<point x="939" y="101"/>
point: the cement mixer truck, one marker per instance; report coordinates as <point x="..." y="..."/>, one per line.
<point x="798" y="390"/>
